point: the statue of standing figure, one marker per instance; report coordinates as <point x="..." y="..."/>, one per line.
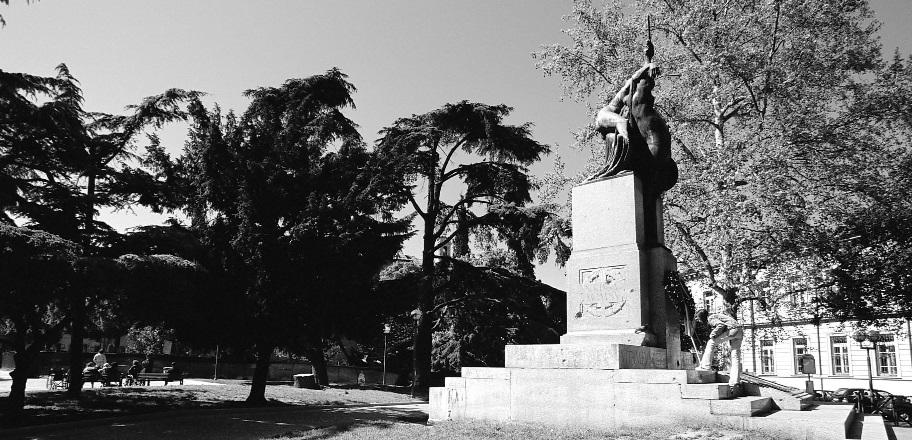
<point x="725" y="328"/>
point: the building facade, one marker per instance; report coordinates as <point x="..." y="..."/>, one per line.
<point x="841" y="362"/>
<point x="773" y="350"/>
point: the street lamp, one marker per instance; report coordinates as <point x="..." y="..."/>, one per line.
<point x="868" y="341"/>
<point x="386" y="331"/>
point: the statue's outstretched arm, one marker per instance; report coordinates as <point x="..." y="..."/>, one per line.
<point x="610" y="116"/>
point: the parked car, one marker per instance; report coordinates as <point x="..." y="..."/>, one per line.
<point x="848" y="394"/>
<point x="900" y="407"/>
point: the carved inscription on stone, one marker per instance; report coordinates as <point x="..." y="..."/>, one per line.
<point x="641" y="357"/>
<point x="601" y="292"/>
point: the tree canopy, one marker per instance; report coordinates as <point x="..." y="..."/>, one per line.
<point x="289" y="200"/>
<point x="465" y="148"/>
<point x="772" y="111"/>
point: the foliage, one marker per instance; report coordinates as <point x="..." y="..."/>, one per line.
<point x="868" y="250"/>
<point x="770" y="105"/>
<point x="147" y="340"/>
<point x="6" y="2"/>
<point x="296" y="217"/>
<point x="35" y="268"/>
<point x="59" y="164"/>
<point x="482" y="309"/>
<point x="464" y="147"/>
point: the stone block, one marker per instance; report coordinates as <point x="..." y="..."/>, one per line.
<point x="607" y="213"/>
<point x="635" y="393"/>
<point x="563" y="397"/>
<point x="650" y="376"/>
<point x="707" y="391"/>
<point x="606" y="297"/>
<point x="454" y="382"/>
<point x="485" y="373"/>
<point x="487" y="399"/>
<point x="742" y="406"/>
<point x="601" y="356"/>
<point x="456" y="402"/>
<point x="640" y="404"/>
<point x="701" y="376"/>
<point x="437" y="404"/>
<point x="689" y="361"/>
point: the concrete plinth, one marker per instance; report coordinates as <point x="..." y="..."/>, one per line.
<point x="620" y="362"/>
<point x="600" y="356"/>
<point x="603" y="398"/>
<point x="616" y="274"/>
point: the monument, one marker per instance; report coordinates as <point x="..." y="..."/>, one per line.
<point x="620" y="362"/>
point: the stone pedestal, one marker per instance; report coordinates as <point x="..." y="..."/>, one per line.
<point x="615" y="276"/>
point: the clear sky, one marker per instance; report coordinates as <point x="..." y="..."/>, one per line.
<point x="404" y="57"/>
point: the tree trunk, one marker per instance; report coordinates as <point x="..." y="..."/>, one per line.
<point x="77" y="333"/>
<point x="422" y="353"/>
<point x="78" y="304"/>
<point x="318" y="364"/>
<point x="422" y="345"/>
<point x="23" y="360"/>
<point x="525" y="267"/>
<point x="260" y="374"/>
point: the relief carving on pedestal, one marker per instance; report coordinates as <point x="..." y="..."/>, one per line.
<point x="599" y="289"/>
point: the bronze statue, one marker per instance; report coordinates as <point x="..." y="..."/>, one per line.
<point x="725" y="328"/>
<point x="636" y="137"/>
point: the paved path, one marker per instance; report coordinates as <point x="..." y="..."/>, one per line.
<point x="229" y="424"/>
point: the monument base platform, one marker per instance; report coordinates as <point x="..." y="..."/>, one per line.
<point x="600" y="356"/>
<point x="599" y="386"/>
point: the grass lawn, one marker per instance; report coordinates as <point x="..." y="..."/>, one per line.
<point x="515" y="431"/>
<point x="44" y="407"/>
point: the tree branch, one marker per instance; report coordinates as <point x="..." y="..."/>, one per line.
<point x="698" y="250"/>
<point x="414" y="202"/>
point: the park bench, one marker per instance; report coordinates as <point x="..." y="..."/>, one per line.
<point x="57" y="379"/>
<point x="147" y="378"/>
<point x="112" y="378"/>
<point x="90" y="377"/>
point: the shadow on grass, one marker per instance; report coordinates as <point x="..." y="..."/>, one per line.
<point x="375" y="421"/>
<point x="47" y="407"/>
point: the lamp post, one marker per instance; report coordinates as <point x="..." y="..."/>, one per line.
<point x="386" y="331"/>
<point x="868" y="340"/>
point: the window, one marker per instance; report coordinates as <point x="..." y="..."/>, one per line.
<point x="886" y="356"/>
<point x="800" y="348"/>
<point x="709" y="301"/>
<point x="840" y="350"/>
<point x="766" y="357"/>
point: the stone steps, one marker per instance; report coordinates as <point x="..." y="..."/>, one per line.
<point x="782" y="399"/>
<point x="747" y="406"/>
<point x="708" y="391"/>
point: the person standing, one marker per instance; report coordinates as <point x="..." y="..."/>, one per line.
<point x="100" y="358"/>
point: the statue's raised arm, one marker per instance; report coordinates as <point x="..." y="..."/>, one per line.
<point x="636" y="136"/>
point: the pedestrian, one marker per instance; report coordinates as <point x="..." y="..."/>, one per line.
<point x="100" y="358"/>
